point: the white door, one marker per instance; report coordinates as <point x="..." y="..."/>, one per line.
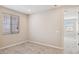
<point x="78" y="33"/>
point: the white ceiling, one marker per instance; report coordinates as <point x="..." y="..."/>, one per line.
<point x="29" y="9"/>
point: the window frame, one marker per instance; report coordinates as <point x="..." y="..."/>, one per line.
<point x="11" y="28"/>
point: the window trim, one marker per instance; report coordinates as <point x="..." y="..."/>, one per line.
<point x="18" y="25"/>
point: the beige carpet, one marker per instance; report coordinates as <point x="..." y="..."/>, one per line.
<point x="30" y="48"/>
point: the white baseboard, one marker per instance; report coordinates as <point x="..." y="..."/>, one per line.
<point x="47" y="45"/>
<point x="32" y="42"/>
<point x="18" y="43"/>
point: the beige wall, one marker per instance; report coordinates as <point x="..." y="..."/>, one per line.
<point x="43" y="27"/>
<point x="10" y="39"/>
<point x="47" y="27"/>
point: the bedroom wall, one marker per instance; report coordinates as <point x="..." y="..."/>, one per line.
<point x="47" y="27"/>
<point x="9" y="39"/>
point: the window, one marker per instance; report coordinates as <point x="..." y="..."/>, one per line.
<point x="10" y="24"/>
<point x="14" y="24"/>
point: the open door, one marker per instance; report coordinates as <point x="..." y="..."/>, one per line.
<point x="70" y="32"/>
<point x="78" y="32"/>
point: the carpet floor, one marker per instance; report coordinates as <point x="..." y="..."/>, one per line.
<point x="30" y="48"/>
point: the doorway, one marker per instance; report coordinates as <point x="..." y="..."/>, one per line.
<point x="71" y="31"/>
